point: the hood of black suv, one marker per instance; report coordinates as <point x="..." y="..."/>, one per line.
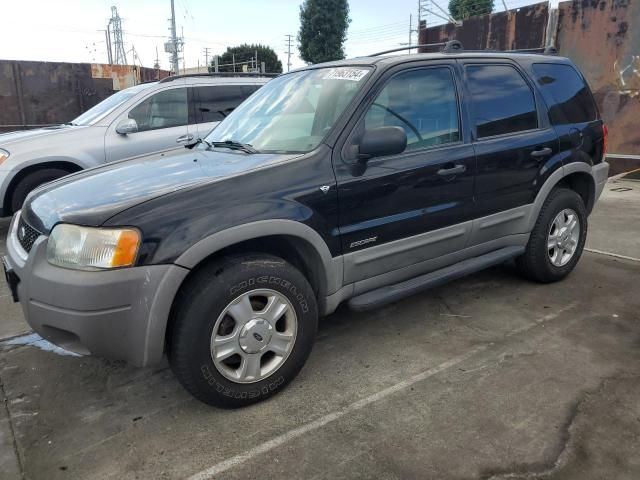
<point x="93" y="196"/>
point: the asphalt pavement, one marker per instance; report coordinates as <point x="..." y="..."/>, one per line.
<point x="490" y="376"/>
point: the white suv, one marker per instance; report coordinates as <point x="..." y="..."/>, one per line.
<point x="147" y="118"/>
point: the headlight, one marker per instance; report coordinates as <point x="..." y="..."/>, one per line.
<point x="84" y="248"/>
<point x="3" y="155"/>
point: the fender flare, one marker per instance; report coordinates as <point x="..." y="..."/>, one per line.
<point x="550" y="183"/>
<point x="332" y="267"/>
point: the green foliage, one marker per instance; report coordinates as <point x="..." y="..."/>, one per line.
<point x="323" y="30"/>
<point x="245" y="53"/>
<point x="463" y="9"/>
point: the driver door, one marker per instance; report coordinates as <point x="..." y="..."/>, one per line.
<point x="399" y="210"/>
<point x="163" y="123"/>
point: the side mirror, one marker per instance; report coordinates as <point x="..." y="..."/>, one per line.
<point x="128" y="125"/>
<point x="381" y="141"/>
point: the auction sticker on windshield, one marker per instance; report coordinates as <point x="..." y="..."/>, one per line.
<point x="354" y="74"/>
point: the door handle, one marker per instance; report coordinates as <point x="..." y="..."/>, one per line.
<point x="452" y="170"/>
<point x="543" y="152"/>
<point x="184" y="138"/>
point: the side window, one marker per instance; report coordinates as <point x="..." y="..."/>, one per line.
<point x="215" y="102"/>
<point x="162" y="110"/>
<point x="423" y="102"/>
<point x="569" y="97"/>
<point x="501" y="101"/>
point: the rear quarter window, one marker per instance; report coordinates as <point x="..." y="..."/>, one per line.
<point x="568" y="96"/>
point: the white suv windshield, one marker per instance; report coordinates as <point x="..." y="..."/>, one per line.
<point x="294" y="112"/>
<point x="106" y="106"/>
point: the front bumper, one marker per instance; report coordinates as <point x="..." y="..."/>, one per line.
<point x="118" y="314"/>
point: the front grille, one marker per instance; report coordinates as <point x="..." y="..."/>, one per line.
<point x="27" y="235"/>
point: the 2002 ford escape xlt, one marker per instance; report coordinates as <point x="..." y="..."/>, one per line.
<point x="362" y="180"/>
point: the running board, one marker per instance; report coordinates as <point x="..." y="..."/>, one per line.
<point x="393" y="293"/>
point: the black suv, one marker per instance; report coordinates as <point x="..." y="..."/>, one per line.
<point x="361" y="180"/>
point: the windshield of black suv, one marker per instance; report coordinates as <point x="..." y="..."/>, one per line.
<point x="292" y="113"/>
<point x="105" y="107"/>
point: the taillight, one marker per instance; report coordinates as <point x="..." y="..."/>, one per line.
<point x="605" y="134"/>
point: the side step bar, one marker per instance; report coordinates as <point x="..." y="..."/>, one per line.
<point x="393" y="293"/>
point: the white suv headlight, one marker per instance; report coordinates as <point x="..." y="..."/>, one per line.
<point x="86" y="248"/>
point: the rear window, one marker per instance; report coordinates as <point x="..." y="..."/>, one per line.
<point x="569" y="97"/>
<point x="502" y="102"/>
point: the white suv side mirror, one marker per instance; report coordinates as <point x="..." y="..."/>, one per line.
<point x="128" y="125"/>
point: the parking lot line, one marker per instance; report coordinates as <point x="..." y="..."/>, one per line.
<point x="280" y="440"/>
<point x="611" y="254"/>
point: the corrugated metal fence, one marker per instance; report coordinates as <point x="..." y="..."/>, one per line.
<point x="49" y="93"/>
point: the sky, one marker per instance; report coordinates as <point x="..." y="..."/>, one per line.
<point x="73" y="30"/>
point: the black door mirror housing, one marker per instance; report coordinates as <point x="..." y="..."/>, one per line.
<point x="377" y="142"/>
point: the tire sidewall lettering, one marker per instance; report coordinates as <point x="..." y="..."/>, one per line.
<point x="271" y="281"/>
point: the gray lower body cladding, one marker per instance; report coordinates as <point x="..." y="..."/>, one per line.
<point x="119" y="314"/>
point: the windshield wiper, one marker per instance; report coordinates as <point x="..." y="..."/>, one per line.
<point x="244" y="147"/>
<point x="198" y="142"/>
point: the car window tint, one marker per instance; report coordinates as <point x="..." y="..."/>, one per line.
<point x="162" y="110"/>
<point x="501" y="101"/>
<point x="423" y="102"/>
<point x="568" y="96"/>
<point x="215" y="102"/>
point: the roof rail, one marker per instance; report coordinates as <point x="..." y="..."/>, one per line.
<point x="453" y="46"/>
<point x="401" y="49"/>
<point x="218" y="75"/>
<point x="549" y="50"/>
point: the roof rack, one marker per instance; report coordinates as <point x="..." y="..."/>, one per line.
<point x="218" y="75"/>
<point x="454" y="46"/>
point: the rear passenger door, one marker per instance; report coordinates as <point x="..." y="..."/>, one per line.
<point x="212" y="103"/>
<point x="400" y="210"/>
<point x="572" y="110"/>
<point x="513" y="143"/>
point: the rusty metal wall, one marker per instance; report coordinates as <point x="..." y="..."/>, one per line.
<point x="519" y="28"/>
<point x="47" y="93"/>
<point x="603" y="38"/>
<point x="125" y="76"/>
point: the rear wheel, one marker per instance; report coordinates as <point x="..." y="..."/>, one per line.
<point x="32" y="181"/>
<point x="557" y="239"/>
<point x="244" y="327"/>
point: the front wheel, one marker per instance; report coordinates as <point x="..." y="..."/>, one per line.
<point x="244" y="327"/>
<point x="557" y="239"/>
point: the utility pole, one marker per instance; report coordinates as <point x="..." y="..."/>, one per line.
<point x="108" y="43"/>
<point x="118" y="40"/>
<point x="172" y="45"/>
<point x="206" y="56"/>
<point x="287" y="39"/>
<point x="410" y="30"/>
<point x="156" y="65"/>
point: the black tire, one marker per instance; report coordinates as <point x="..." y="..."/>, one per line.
<point x="203" y="299"/>
<point x="535" y="263"/>
<point x="30" y="182"/>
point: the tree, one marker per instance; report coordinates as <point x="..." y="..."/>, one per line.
<point x="244" y="55"/>
<point x="463" y="9"/>
<point x="323" y="30"/>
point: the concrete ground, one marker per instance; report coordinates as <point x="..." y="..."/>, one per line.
<point x="487" y="377"/>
